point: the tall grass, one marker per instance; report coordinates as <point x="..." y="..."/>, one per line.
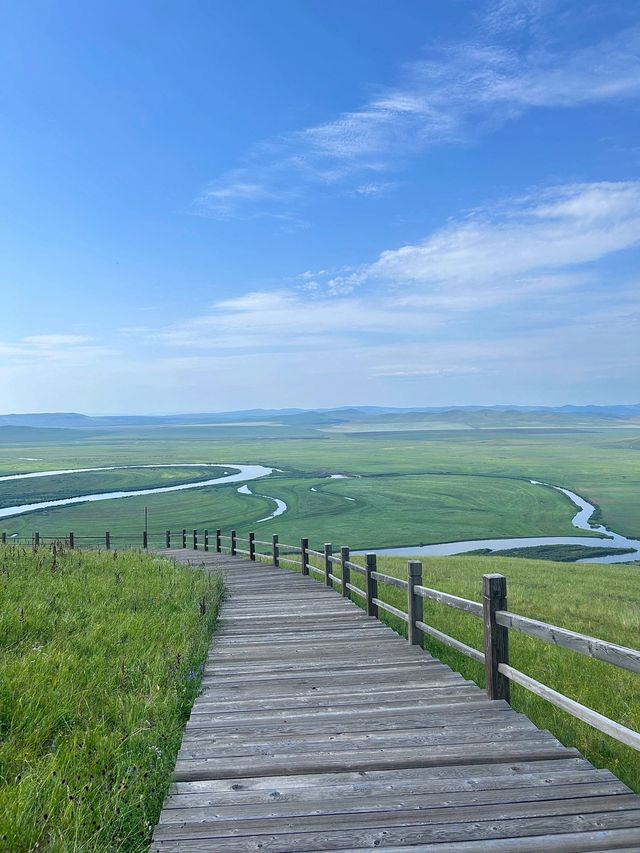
<point x="100" y="660"/>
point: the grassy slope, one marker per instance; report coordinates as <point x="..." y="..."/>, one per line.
<point x="100" y="661"/>
<point x="572" y="596"/>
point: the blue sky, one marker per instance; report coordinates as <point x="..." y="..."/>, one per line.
<point x="217" y="205"/>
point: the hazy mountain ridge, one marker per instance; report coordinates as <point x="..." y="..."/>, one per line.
<point x="467" y="415"/>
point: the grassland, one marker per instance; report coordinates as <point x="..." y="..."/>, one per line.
<point x="100" y="660"/>
<point x="16" y="492"/>
<point x="559" y="553"/>
<point x="427" y="487"/>
<point x="572" y="596"/>
<point x="410" y="487"/>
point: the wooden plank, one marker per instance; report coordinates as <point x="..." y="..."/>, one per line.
<point x="215" y="747"/>
<point x="472" y="775"/>
<point x="420" y="819"/>
<point x="318" y="728"/>
<point x="381" y="759"/>
<point x="391" y="802"/>
<point x="521" y="840"/>
<point x="394" y="785"/>
<point x="212" y="717"/>
<point x="403" y="721"/>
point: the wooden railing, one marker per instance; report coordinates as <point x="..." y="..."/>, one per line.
<point x="497" y="619"/>
<point x="493" y="610"/>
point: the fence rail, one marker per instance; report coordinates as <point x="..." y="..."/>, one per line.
<point x="497" y="619"/>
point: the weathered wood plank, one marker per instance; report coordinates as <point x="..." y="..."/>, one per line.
<point x="474" y="816"/>
<point x="319" y="729"/>
<point x="391" y="802"/>
<point x="473" y="774"/>
<point x="524" y="836"/>
<point x="396" y="785"/>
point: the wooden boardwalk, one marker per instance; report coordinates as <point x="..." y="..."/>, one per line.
<point x="318" y="729"/>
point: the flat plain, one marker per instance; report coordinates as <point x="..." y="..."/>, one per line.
<point x="404" y="486"/>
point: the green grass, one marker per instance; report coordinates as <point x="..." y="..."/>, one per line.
<point x="100" y="661"/>
<point x="16" y="492"/>
<point x="559" y="553"/>
<point x="602" y="601"/>
<point x="366" y="511"/>
<point x="399" y="498"/>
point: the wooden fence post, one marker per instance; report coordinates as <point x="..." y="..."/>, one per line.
<point x="145" y="540"/>
<point x="415" y="608"/>
<point x="276" y="550"/>
<point x="195" y="540"/>
<point x="252" y="546"/>
<point x="218" y="541"/>
<point x="168" y="538"/>
<point x="304" y="556"/>
<point x="4" y="537"/>
<point x="371" y="585"/>
<point x="328" y="553"/>
<point x="184" y="538"/>
<point x="234" y="543"/>
<point x="496" y="637"/>
<point x="72" y="541"/>
<point x="36" y="539"/>
<point x="346" y="571"/>
<point x="206" y="540"/>
<point x="107" y="540"/>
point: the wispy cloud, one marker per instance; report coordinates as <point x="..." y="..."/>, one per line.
<point x="482" y="291"/>
<point x="514" y="244"/>
<point x="71" y="350"/>
<point x="56" y="340"/>
<point x="453" y="95"/>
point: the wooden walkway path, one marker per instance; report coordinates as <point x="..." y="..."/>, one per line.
<point x="318" y="729"/>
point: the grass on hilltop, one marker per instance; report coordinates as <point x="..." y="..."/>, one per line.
<point x="101" y="657"/>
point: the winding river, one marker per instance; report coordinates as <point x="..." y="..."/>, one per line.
<point x="241" y="473"/>
<point x="581" y="520"/>
<point x="246" y="473"/>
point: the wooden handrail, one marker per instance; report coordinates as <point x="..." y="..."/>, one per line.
<point x="620" y="656"/>
<point x="450" y="600"/>
<point x="498" y="619"/>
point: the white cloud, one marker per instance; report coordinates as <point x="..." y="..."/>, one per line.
<point x="512" y="288"/>
<point x="558" y="229"/>
<point x="457" y="93"/>
<point x="56" y="340"/>
<point x="69" y="350"/>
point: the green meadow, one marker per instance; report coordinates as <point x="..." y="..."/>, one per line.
<point x="407" y="487"/>
<point x="100" y="661"/>
<point x="101" y="651"/>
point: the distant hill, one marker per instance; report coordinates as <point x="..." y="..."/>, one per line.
<point x="43" y="435"/>
<point x="461" y="417"/>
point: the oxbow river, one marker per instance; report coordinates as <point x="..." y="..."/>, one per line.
<point x="246" y="473"/>
<point x="240" y="473"/>
<point x="581" y="521"/>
